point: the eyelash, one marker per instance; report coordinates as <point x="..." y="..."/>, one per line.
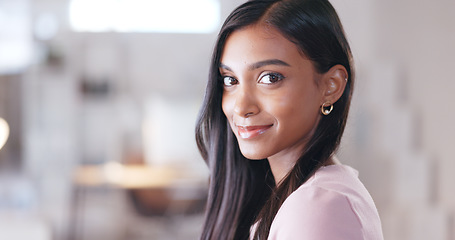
<point x="232" y="81"/>
<point x="278" y="77"/>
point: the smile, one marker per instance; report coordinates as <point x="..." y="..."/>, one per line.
<point x="248" y="132"/>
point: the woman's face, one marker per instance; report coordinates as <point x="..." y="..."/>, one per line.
<point x="271" y="97"/>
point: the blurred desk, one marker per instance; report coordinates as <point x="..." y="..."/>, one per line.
<point x="163" y="191"/>
<point x="136" y="176"/>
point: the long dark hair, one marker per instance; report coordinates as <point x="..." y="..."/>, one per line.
<point x="242" y="191"/>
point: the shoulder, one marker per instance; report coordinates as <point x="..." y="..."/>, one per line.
<point x="316" y="213"/>
<point x="333" y="204"/>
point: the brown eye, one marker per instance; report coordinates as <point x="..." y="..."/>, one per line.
<point x="271" y="78"/>
<point x="229" y="81"/>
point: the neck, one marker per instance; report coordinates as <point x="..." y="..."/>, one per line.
<point x="281" y="167"/>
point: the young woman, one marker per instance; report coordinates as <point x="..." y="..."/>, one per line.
<point x="276" y="105"/>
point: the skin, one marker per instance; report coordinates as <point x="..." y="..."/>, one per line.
<point x="273" y="94"/>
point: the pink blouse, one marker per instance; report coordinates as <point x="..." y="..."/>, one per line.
<point x="332" y="205"/>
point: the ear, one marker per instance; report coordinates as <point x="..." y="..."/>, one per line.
<point x="333" y="84"/>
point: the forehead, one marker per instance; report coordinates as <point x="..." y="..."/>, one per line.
<point x="258" y="42"/>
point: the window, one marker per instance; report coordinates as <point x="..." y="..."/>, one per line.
<point x="166" y="16"/>
<point x="15" y="36"/>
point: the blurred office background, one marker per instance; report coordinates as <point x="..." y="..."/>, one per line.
<point x="100" y="99"/>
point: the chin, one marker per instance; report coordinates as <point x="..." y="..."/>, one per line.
<point x="254" y="155"/>
<point x="254" y="158"/>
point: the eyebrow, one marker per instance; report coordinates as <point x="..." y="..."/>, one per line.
<point x="260" y="64"/>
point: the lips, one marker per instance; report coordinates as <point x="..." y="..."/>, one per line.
<point x="248" y="132"/>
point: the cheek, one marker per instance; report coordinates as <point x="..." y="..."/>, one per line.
<point x="297" y="108"/>
<point x="227" y="106"/>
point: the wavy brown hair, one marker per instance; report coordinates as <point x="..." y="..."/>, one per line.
<point x="243" y="192"/>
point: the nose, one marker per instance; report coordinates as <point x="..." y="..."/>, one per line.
<point x="246" y="104"/>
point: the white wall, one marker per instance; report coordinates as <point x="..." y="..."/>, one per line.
<point x="401" y="116"/>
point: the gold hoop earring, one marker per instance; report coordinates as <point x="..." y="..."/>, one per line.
<point x="326" y="108"/>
